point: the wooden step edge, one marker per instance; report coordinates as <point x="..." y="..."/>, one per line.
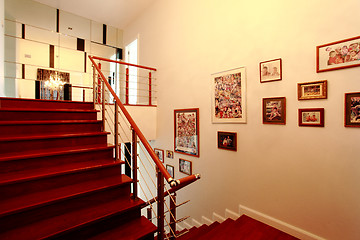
<point x="59" y="173"/>
<point x="124" y="181"/>
<point x="52" y="136"/>
<point x="55" y="152"/>
<point x="42" y="100"/>
<point x="139" y="204"/>
<point x="49" y="122"/>
<point x="47" y="110"/>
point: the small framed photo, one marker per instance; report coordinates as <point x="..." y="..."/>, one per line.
<point x="271" y="70"/>
<point x="159" y="153"/>
<point x="312" y="90"/>
<point x="186" y="127"/>
<point x="338" y="55"/>
<point x="170" y="170"/>
<point x="311" y="117"/>
<point x="169" y="154"/>
<point x="227" y="140"/>
<point x="185" y="166"/>
<point x="352" y="109"/>
<point x="274" y="110"/>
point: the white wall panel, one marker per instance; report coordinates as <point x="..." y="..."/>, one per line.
<point x="31" y="13"/>
<point x="32" y="53"/>
<point x="111" y="36"/>
<point x="10" y="49"/>
<point x="102" y="50"/>
<point x="25" y="88"/>
<point x="41" y="35"/>
<point x="96" y="32"/>
<point x="119" y="42"/>
<point x="12" y="70"/>
<point x="13" y="28"/>
<point x="71" y="60"/>
<point x="68" y="41"/>
<point x="74" y="25"/>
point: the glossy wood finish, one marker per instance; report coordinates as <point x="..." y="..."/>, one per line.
<point x="59" y="178"/>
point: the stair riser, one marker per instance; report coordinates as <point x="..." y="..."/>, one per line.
<point x="45" y="183"/>
<point x="63" y="206"/>
<point x="44" y="115"/>
<point x="52" y="143"/>
<point x="99" y="226"/>
<point x="38" y="129"/>
<point x="32" y="103"/>
<point x="54" y="160"/>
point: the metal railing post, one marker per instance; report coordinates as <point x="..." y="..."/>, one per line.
<point x="127" y="87"/>
<point x="173" y="215"/>
<point x="116" y="131"/>
<point x="134" y="163"/>
<point x="103" y="103"/>
<point x="94" y="86"/>
<point x="160" y="205"/>
<point x="150" y="103"/>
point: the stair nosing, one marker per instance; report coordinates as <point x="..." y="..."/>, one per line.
<point x="49" y="122"/>
<point x="49" y="110"/>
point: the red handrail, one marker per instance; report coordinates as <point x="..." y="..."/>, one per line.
<point x="124" y="63"/>
<point x="173" y="183"/>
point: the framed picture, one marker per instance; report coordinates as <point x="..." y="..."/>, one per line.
<point x="170" y="170"/>
<point x="274" y="110"/>
<point x="227" y="140"/>
<point x="229" y="96"/>
<point x="185" y="166"/>
<point x="186" y="138"/>
<point x="311" y="117"/>
<point x="169" y="154"/>
<point x="338" y="55"/>
<point x="271" y="70"/>
<point x="312" y="90"/>
<point x="159" y="153"/>
<point x="352" y="109"/>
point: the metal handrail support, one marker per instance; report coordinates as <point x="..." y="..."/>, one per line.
<point x="173" y="215"/>
<point x="134" y="163"/>
<point x="160" y="205"/>
<point x="116" y="132"/>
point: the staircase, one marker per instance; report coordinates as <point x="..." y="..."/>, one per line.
<point x="244" y="228"/>
<point x="58" y="176"/>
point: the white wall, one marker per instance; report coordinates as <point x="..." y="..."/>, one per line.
<point x="306" y="177"/>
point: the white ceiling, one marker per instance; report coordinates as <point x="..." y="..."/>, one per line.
<point x="117" y="13"/>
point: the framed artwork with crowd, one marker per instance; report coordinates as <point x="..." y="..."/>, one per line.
<point x="186" y="127"/>
<point x="229" y="96"/>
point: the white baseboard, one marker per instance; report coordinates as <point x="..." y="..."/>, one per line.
<point x="217" y="217"/>
<point x="187" y="225"/>
<point x="206" y="221"/>
<point x="231" y="214"/>
<point x="283" y="226"/>
<point x="196" y="223"/>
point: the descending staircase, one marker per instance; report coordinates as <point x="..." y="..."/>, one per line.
<point x="58" y="176"/>
<point x="244" y="228"/>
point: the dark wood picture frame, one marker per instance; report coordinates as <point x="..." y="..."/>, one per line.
<point x="185" y="166"/>
<point x="186" y="131"/>
<point x="352" y="109"/>
<point x="312" y="90"/>
<point x="274" y="110"/>
<point x="160" y="154"/>
<point x="171" y="170"/>
<point x="338" y="55"/>
<point x="311" y="117"/>
<point x="170" y="154"/>
<point x="270" y="70"/>
<point x="227" y="140"/>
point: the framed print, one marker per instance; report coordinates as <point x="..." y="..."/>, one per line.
<point x="311" y="117"/>
<point x="186" y="128"/>
<point x="312" y="90"/>
<point x="227" y="140"/>
<point x="271" y="70"/>
<point x="185" y="166"/>
<point x="159" y="153"/>
<point x="274" y="110"/>
<point x="229" y="96"/>
<point x="352" y="109"/>
<point x="338" y="55"/>
<point x="170" y="170"/>
<point x="169" y="154"/>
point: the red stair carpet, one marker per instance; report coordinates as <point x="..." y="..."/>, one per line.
<point x="58" y="177"/>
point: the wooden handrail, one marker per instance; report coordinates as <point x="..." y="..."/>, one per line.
<point x="123" y="63"/>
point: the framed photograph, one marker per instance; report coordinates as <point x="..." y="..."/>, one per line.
<point x="352" y="109"/>
<point x="229" y="96"/>
<point x="159" y="153"/>
<point x="169" y="154"/>
<point x="311" y="117"/>
<point x="312" y="90"/>
<point x="338" y="55"/>
<point x="186" y="137"/>
<point x="227" y="140"/>
<point x="185" y="166"/>
<point x="274" y="110"/>
<point x="271" y="70"/>
<point x="170" y="170"/>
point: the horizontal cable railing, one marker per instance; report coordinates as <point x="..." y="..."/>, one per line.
<point x="142" y="164"/>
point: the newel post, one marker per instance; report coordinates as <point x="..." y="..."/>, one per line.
<point x="160" y="206"/>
